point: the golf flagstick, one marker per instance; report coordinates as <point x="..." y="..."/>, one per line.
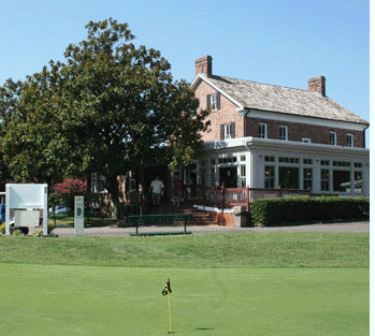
<point x="168" y="291"/>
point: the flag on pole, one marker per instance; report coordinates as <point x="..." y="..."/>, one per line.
<point x="167" y="288"/>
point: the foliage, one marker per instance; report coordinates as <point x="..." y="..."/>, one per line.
<point x="2" y="228"/>
<point x="281" y="211"/>
<point x="111" y="108"/>
<point x="70" y="188"/>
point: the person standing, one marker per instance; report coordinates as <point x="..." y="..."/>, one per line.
<point x="157" y="188"/>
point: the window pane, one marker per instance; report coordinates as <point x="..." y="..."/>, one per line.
<point x="341" y="180"/>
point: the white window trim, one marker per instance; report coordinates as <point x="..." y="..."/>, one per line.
<point x="265" y="130"/>
<point x="228" y="131"/>
<point x="351" y="137"/>
<point x="286" y="133"/>
<point x="334" y="143"/>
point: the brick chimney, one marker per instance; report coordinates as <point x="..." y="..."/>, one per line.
<point x="203" y="65"/>
<point x="318" y="84"/>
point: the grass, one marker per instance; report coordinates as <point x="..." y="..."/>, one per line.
<point x="223" y="284"/>
<point x="271" y="249"/>
<point x="67" y="221"/>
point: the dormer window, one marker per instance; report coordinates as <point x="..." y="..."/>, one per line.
<point x="284" y="133"/>
<point x="213" y="101"/>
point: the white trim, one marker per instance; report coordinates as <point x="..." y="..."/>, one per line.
<point x="334" y="142"/>
<point x="283" y="127"/>
<point x="291" y="118"/>
<point x="265" y="130"/>
<point x="273" y="144"/>
<point x="206" y="80"/>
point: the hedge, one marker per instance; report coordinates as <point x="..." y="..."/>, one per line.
<point x="289" y="210"/>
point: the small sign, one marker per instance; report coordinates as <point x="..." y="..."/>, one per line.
<point x="79" y="215"/>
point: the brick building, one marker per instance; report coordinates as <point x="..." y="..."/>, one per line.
<point x="268" y="136"/>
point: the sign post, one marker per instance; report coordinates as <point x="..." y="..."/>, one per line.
<point x="79" y="215"/>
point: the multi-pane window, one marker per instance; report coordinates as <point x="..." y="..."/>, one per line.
<point x="213" y="177"/>
<point x="269" y="177"/>
<point x="283" y="133"/>
<point x="332" y="138"/>
<point x="288" y="160"/>
<point x="324" y="179"/>
<point x="227" y="131"/>
<point x="213" y="101"/>
<point x="307" y="178"/>
<point x="242" y="178"/>
<point x="307" y="161"/>
<point x="269" y="158"/>
<point x="349" y="140"/>
<point x="262" y="131"/>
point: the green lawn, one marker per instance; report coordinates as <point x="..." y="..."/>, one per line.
<point x="223" y="284"/>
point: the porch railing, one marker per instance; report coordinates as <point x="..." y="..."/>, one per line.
<point x="227" y="197"/>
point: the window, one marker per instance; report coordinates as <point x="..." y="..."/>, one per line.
<point x="332" y="138"/>
<point x="242" y="178"/>
<point x="242" y="158"/>
<point x="98" y="182"/>
<point x="358" y="182"/>
<point x="307" y="161"/>
<point x="203" y="172"/>
<point x="341" y="164"/>
<point x="324" y="163"/>
<point x="263" y="131"/>
<point x="227" y="131"/>
<point x="269" y="177"/>
<point x="349" y="140"/>
<point x="284" y="133"/>
<point x="213" y="101"/>
<point x="269" y="158"/>
<point x="324" y="179"/>
<point x="288" y="160"/>
<point x="306" y="140"/>
<point x="307" y="178"/>
<point x="213" y="177"/>
<point x="341" y="180"/>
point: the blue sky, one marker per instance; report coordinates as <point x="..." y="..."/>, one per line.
<point x="281" y="42"/>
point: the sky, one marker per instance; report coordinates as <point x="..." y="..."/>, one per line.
<point x="279" y="42"/>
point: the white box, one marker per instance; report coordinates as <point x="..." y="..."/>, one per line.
<point x="29" y="218"/>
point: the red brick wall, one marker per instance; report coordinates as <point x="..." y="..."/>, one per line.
<point x="225" y="115"/>
<point x="297" y="131"/>
<point x="225" y="219"/>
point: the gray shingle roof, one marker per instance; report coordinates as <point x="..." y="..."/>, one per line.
<point x="280" y="99"/>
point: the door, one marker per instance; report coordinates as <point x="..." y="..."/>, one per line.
<point x="228" y="176"/>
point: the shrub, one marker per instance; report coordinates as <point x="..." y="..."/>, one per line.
<point x="286" y="210"/>
<point x="2" y="228"/>
<point x="70" y="188"/>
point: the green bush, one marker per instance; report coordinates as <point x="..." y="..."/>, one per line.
<point x="2" y="228"/>
<point x="282" y="211"/>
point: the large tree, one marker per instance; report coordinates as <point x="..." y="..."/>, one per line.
<point x="110" y="108"/>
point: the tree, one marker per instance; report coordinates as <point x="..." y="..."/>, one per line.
<point x="111" y="108"/>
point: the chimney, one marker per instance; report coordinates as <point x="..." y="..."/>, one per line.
<point x="203" y="65"/>
<point x="318" y="84"/>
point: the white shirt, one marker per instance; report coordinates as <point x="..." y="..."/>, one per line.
<point x="157" y="186"/>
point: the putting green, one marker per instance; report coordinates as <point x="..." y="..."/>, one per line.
<point x="89" y="300"/>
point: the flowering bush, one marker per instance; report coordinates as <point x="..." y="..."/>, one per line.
<point x="70" y="188"/>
